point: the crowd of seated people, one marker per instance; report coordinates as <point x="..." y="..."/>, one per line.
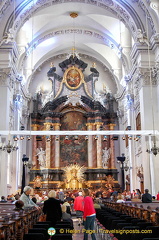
<point x="67" y="196"/>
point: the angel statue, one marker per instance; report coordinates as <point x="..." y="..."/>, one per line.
<point x="41" y="157"/>
<point x="105" y="157"/>
<point x="141" y="37"/>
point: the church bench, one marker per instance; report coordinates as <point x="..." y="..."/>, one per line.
<point x="17" y="224"/>
<point x="143" y="211"/>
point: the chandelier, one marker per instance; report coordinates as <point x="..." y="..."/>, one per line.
<point x="8" y="147"/>
<point x="154" y="149"/>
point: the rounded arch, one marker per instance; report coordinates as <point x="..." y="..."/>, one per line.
<point x="122" y="10"/>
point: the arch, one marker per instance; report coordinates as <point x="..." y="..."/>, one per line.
<point x="122" y="10"/>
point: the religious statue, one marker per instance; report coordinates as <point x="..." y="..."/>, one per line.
<point x="74" y="176"/>
<point x="41" y="157"/>
<point x="141" y="38"/>
<point x="37" y="182"/>
<point x="8" y="37"/>
<point x="109" y="181"/>
<point x="105" y="157"/>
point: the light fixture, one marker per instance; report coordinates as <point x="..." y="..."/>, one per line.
<point x="154" y="149"/>
<point x="48" y="139"/>
<point x="130" y="137"/>
<point x="21" y="137"/>
<point x="25" y="159"/>
<point x="123" y="137"/>
<point x="137" y="138"/>
<point x="76" y="137"/>
<point x="8" y="148"/>
<point x="86" y="137"/>
<point x="126" y="168"/>
<point x="96" y="137"/>
<point x="28" y="138"/>
<point x="57" y="138"/>
<point x="15" y="138"/>
<point x="74" y="15"/>
<point x="66" y="138"/>
<point x="105" y="138"/>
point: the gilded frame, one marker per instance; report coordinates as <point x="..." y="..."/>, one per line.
<point x="73" y="78"/>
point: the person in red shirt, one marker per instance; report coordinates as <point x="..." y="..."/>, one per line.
<point x="78" y="207"/>
<point x="89" y="215"/>
<point x="157" y="197"/>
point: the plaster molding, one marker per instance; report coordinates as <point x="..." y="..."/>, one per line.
<point x="6" y="78"/>
<point x="122" y="11"/>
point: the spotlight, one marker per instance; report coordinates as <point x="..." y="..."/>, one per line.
<point x="57" y="138"/>
<point x="86" y="137"/>
<point x="105" y="138"/>
<point x="137" y="138"/>
<point x="130" y="137"/>
<point x="123" y="137"/>
<point x="96" y="137"/>
<point x="21" y="137"/>
<point x="66" y="138"/>
<point x="28" y="138"/>
<point x="15" y="138"/>
<point x="48" y="139"/>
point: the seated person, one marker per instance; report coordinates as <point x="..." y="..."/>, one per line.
<point x="120" y="198"/>
<point x="34" y="200"/>
<point x="3" y="199"/>
<point x="66" y="216"/>
<point x="68" y="206"/>
<point x="96" y="204"/>
<point x="18" y="205"/>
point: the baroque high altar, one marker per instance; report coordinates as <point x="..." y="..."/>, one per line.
<point x="73" y="161"/>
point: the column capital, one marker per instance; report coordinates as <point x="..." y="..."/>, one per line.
<point x="35" y="126"/>
<point x="89" y="124"/>
<point x="98" y="123"/>
<point x="111" y="126"/>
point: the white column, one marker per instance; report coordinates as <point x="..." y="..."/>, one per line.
<point x="149" y="111"/>
<point x="57" y="148"/>
<point x="90" y="146"/>
<point x="152" y="173"/>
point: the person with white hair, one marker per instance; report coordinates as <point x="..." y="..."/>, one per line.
<point x="78" y="207"/>
<point x="25" y="197"/>
<point x="52" y="208"/>
<point x="66" y="216"/>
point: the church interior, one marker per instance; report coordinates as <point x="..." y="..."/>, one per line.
<point x="79" y="92"/>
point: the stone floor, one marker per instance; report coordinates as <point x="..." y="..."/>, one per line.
<point x="79" y="231"/>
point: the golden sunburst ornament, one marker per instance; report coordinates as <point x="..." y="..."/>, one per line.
<point x="74" y="171"/>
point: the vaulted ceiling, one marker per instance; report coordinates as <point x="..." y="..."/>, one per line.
<point x="103" y="32"/>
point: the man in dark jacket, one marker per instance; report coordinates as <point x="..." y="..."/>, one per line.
<point x="146" y="197"/>
<point x="52" y="208"/>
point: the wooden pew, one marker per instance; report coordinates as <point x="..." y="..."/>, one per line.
<point x="144" y="211"/>
<point x="18" y="223"/>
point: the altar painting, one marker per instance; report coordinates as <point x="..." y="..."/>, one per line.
<point x="73" y="150"/>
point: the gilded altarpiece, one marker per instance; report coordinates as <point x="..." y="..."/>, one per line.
<point x="73" y="106"/>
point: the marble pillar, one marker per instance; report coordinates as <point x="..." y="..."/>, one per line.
<point x="48" y="145"/>
<point x="34" y="144"/>
<point x="112" y="154"/>
<point x="57" y="146"/>
<point x="99" y="146"/>
<point x="90" y="146"/>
